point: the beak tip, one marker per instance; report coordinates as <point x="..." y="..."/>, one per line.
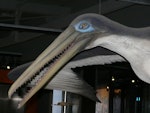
<point x="10" y="94"/>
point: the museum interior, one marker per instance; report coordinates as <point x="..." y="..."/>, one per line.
<point x="28" y="27"/>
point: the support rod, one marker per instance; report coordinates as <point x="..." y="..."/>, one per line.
<point x="29" y="28"/>
<point x="4" y="53"/>
<point x="145" y="2"/>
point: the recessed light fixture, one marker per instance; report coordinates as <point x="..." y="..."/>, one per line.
<point x="107" y="87"/>
<point x="133" y="81"/>
<point x="8" y="67"/>
<point x="113" y="79"/>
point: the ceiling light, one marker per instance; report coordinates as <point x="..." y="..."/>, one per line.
<point x="8" y="67"/>
<point x="107" y="87"/>
<point x="133" y="81"/>
<point x="113" y="79"/>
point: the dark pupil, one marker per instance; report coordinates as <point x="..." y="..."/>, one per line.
<point x="84" y="26"/>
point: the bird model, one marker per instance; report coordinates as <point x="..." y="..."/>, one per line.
<point x="86" y="32"/>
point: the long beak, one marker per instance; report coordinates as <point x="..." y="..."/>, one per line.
<point x="67" y="45"/>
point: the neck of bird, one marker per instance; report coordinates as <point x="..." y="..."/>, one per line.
<point x="127" y="44"/>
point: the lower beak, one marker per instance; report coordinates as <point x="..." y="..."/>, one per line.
<point x="50" y="61"/>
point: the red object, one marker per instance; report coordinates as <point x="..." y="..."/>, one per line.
<point x="31" y="106"/>
<point x="3" y="76"/>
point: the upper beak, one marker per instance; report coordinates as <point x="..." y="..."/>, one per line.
<point x="67" y="45"/>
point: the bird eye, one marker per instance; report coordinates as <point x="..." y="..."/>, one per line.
<point x="83" y="26"/>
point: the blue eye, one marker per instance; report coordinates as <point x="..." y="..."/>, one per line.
<point x="84" y="26"/>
